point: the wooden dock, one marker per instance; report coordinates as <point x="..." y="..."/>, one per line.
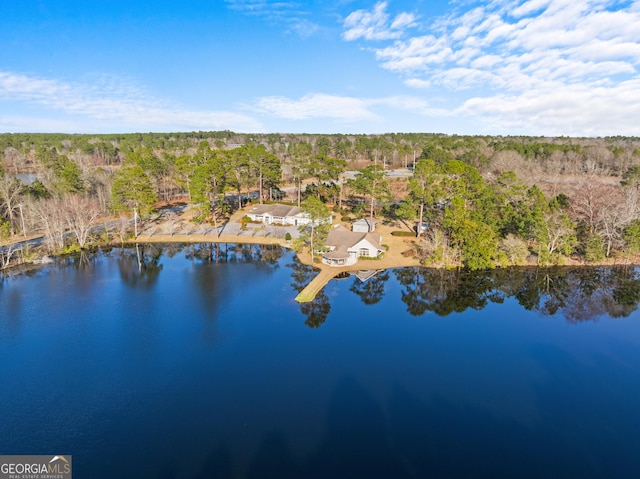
<point x="315" y="286"/>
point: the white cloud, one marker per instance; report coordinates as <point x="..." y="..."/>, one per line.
<point x="108" y="101"/>
<point x="21" y="124"/>
<point x="485" y="61"/>
<point x="316" y="105"/>
<point x="410" y="104"/>
<point x="529" y="7"/>
<point x="291" y="14"/>
<point x="575" y="110"/>
<point x="304" y="28"/>
<point x="403" y="20"/>
<point x="344" y="108"/>
<point x="263" y="7"/>
<point x="376" y="24"/>
<point x="464" y="78"/>
<point x="533" y="64"/>
<point x="418" y="83"/>
<point x="416" y="54"/>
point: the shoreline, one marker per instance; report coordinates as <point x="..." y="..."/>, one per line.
<point x="393" y="257"/>
<point x="325" y="272"/>
<point x="399" y="254"/>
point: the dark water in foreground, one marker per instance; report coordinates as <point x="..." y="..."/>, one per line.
<point x="197" y="369"/>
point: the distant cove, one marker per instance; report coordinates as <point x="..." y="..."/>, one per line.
<point x="195" y="361"/>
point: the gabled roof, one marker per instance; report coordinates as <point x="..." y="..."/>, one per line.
<point x="340" y="252"/>
<point x="366" y="221"/>
<point x="276" y="210"/>
<point x="364" y="274"/>
<point x="342" y="239"/>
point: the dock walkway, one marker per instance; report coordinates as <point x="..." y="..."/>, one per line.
<point x="177" y="227"/>
<point x="315" y="286"/>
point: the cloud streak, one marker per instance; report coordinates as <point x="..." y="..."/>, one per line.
<point x="108" y="101"/>
<point x="341" y="108"/>
<point x="513" y="60"/>
<point x="291" y="14"/>
<point x="316" y="105"/>
<point x="376" y="24"/>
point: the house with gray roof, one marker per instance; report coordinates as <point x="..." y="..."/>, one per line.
<point x="345" y="247"/>
<point x="279" y="214"/>
<point x="364" y="225"/>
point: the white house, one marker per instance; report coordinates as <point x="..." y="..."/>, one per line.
<point x="281" y="215"/>
<point x="345" y="247"/>
<point x="364" y="225"/>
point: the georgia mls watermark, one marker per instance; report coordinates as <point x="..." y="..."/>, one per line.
<point x="35" y="467"/>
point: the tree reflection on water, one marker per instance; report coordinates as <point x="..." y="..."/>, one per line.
<point x="267" y="255"/>
<point x="575" y="293"/>
<point x="370" y="288"/>
<point x="140" y="266"/>
<point x="579" y="294"/>
<point x="317" y="310"/>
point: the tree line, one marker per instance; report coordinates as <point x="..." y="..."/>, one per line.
<point x="504" y="221"/>
<point x="610" y="155"/>
<point x="488" y="200"/>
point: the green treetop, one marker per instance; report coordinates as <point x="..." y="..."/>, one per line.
<point x="132" y="188"/>
<point x="371" y="181"/>
<point x="316" y="232"/>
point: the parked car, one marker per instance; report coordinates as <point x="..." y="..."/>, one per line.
<point x="423" y="227"/>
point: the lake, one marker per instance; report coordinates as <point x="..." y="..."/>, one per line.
<point x="195" y="362"/>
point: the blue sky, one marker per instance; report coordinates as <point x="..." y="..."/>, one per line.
<point x="536" y="67"/>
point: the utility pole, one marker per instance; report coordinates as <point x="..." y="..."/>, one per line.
<point x="24" y="230"/>
<point x="135" y="221"/>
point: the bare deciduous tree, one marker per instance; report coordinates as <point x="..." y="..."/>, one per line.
<point x="605" y="210"/>
<point x="507" y="160"/>
<point x="14" y="159"/>
<point x="555" y="163"/>
<point x="560" y="233"/>
<point x="6" y="253"/>
<point x="515" y="249"/>
<point x="587" y="202"/>
<point x="81" y="214"/>
<point x="598" y="160"/>
<point x="10" y="191"/>
<point x="52" y="220"/>
<point x="121" y="229"/>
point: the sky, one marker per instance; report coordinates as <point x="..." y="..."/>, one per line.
<point x="501" y="67"/>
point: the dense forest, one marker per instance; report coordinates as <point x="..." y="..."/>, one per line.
<point x="487" y="201"/>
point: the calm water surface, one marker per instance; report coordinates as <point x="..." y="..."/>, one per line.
<point x="192" y="368"/>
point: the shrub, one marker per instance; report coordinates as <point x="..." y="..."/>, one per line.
<point x="71" y="249"/>
<point x="594" y="249"/>
<point x="403" y="233"/>
<point x="5" y="229"/>
<point x="287" y="236"/>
